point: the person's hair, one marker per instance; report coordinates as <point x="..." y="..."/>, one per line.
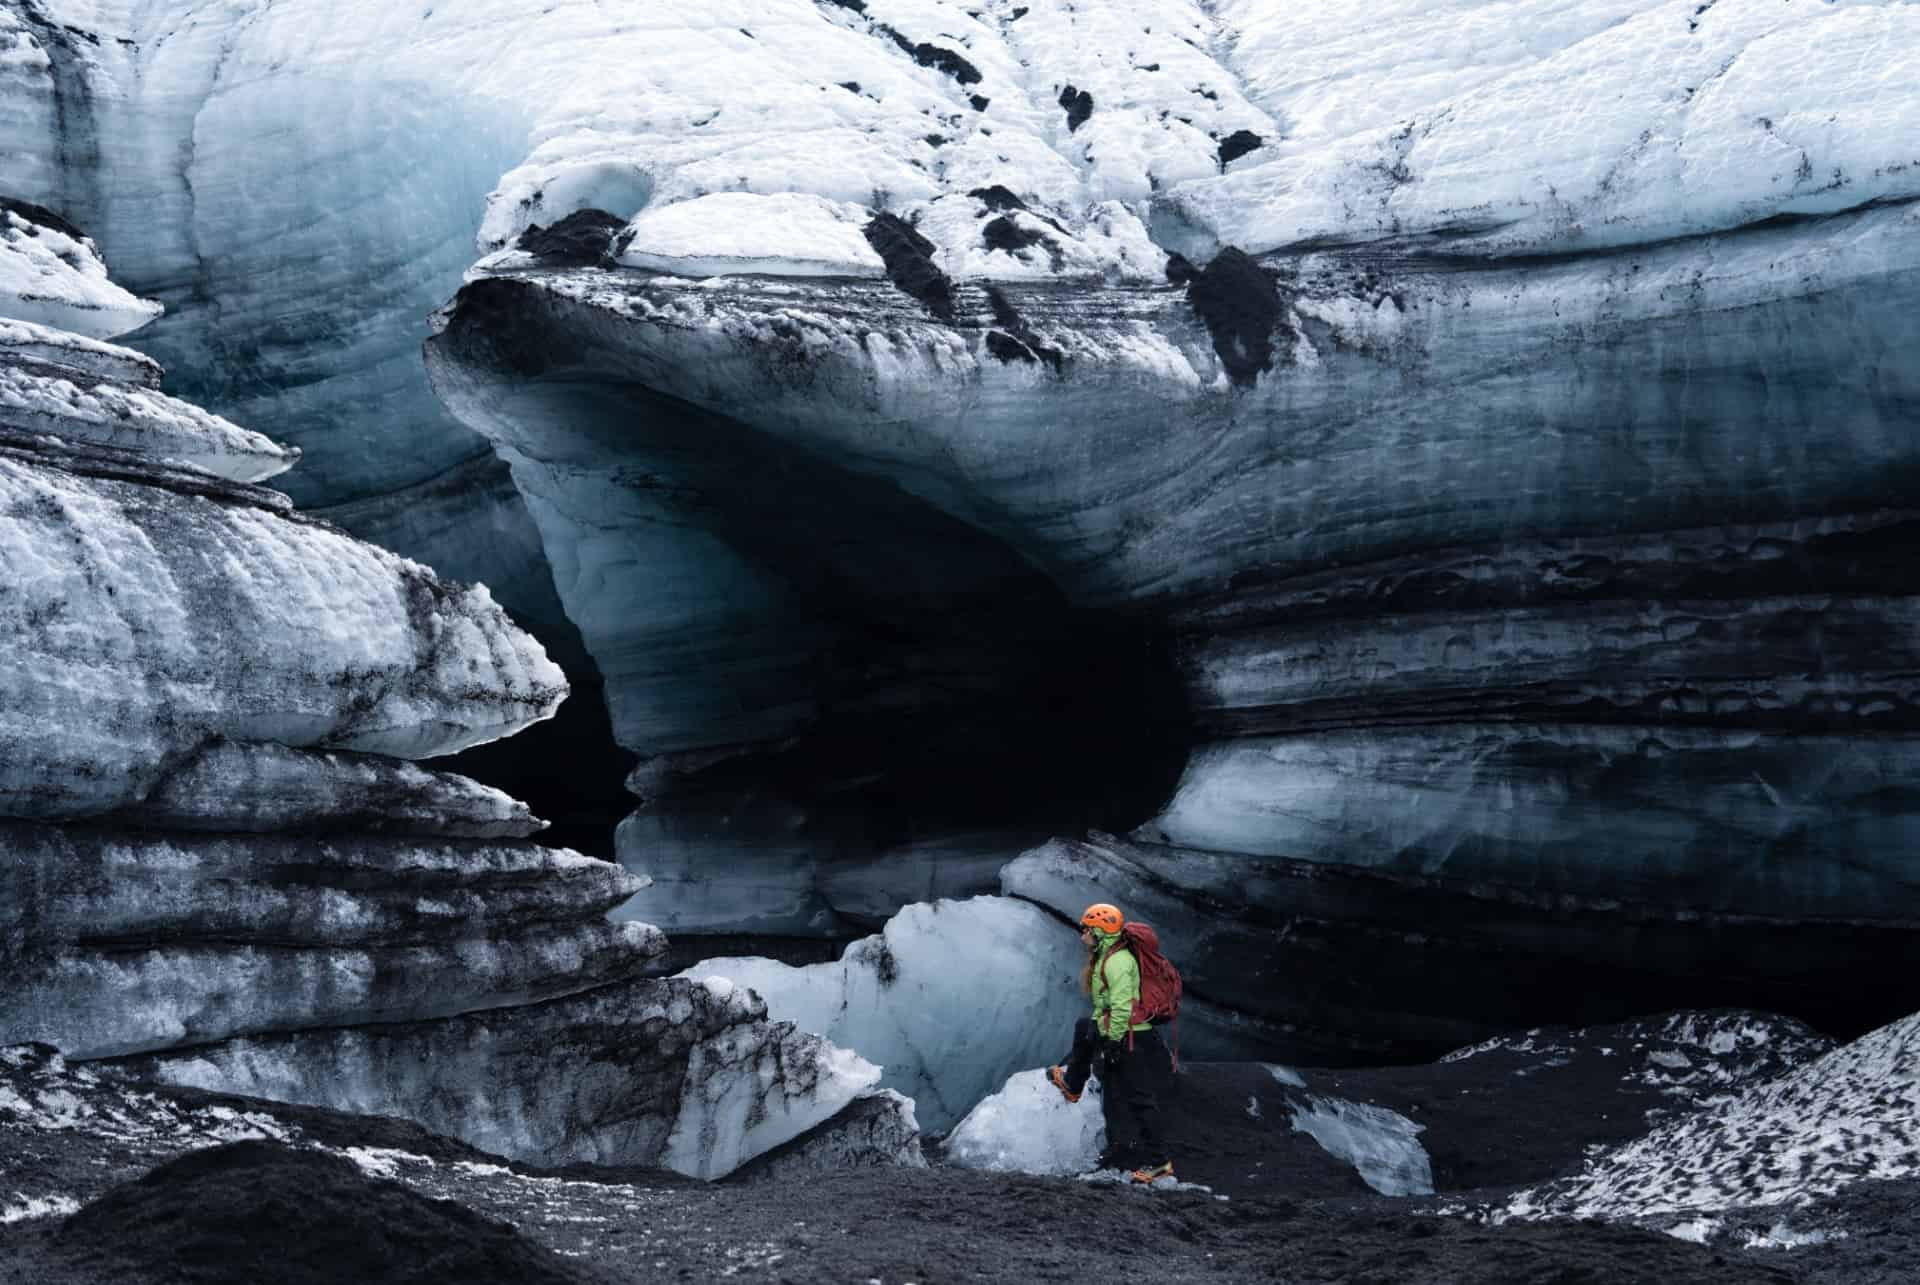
<point x="1086" y="969"/>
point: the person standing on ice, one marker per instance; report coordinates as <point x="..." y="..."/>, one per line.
<point x="1134" y="1066"/>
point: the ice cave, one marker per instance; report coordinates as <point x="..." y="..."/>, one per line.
<point x="590" y="590"/>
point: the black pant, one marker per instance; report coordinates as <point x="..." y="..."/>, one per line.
<point x="1132" y="1081"/>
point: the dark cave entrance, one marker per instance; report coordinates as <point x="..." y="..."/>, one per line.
<point x="953" y="690"/>
<point x="910" y="678"/>
<point x="569" y="769"/>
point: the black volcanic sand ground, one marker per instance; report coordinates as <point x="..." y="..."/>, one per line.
<point x="256" y="1212"/>
<point x="1503" y="1118"/>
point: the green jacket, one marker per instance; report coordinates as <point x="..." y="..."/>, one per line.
<point x="1116" y="985"/>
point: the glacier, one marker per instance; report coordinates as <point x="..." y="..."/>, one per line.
<point x="1411" y="484"/>
<point x="218" y="865"/>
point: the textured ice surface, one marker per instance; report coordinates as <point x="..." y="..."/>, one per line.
<point x="143" y="624"/>
<point x="52" y="274"/>
<point x="743" y="1097"/>
<point x="231" y="786"/>
<point x="78" y="887"/>
<point x="226" y="165"/>
<point x="733" y="876"/>
<point x="1491" y="802"/>
<point x="27" y="341"/>
<point x="1644" y="375"/>
<point x="1027" y="1127"/>
<point x="676" y="1073"/>
<point x="1529" y="127"/>
<point x="94" y="1003"/>
<point x="876" y="1128"/>
<point x="1849" y="1116"/>
<point x="944" y="1000"/>
<point x="1382" y="1145"/>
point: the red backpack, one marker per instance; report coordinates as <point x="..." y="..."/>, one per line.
<point x="1160" y="984"/>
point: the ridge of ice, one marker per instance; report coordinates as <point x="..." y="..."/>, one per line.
<point x="43" y="399"/>
<point x="49" y="277"/>
<point x="119" y="656"/>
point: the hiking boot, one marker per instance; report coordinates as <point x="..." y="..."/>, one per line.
<point x="1153" y="1173"/>
<point x="1059" y="1080"/>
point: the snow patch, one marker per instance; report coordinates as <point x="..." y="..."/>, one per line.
<point x="1697" y="1230"/>
<point x="22" y="1209"/>
<point x="787" y="234"/>
<point x="1841" y="1119"/>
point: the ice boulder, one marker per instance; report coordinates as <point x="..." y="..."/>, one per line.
<point x="1027" y="1127"/>
<point x="944" y="1000"/>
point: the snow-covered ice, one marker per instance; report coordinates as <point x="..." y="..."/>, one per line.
<point x="23" y="1208"/>
<point x="52" y="274"/>
<point x="1851" y="1115"/>
<point x="1534" y="127"/>
<point x="27" y="341"/>
<point x="63" y="403"/>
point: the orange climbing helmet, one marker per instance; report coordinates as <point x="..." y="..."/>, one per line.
<point x="1100" y="915"/>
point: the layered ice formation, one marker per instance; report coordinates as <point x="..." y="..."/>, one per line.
<point x="1446" y="469"/>
<point x="216" y="860"/>
<point x="1531" y="577"/>
<point x="681" y="1075"/>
